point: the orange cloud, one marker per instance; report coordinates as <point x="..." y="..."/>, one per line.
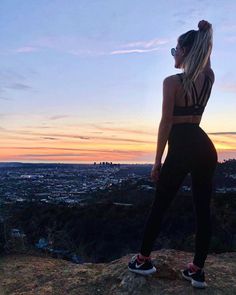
<point x="117" y="144"/>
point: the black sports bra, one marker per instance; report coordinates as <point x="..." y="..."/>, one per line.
<point x="199" y="102"/>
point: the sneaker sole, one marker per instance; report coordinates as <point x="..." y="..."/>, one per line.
<point x="194" y="283"/>
<point x="197" y="284"/>
<point x="184" y="276"/>
<point x="143" y="272"/>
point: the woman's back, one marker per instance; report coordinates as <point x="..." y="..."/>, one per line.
<point x="185" y="110"/>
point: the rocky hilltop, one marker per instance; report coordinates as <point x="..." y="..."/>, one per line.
<point x="22" y="274"/>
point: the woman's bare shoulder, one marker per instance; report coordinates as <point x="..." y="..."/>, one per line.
<point x="174" y="79"/>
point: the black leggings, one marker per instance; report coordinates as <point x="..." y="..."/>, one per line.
<point x="190" y="150"/>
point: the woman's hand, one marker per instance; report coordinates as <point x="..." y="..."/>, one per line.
<point x="156" y="171"/>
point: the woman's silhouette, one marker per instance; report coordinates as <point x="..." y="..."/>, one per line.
<point x="190" y="150"/>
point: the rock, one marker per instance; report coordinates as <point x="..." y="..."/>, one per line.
<point x="31" y="274"/>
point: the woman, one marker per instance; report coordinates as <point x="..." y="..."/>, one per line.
<point x="190" y="150"/>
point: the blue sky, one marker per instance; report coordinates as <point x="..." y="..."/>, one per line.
<point x="81" y="81"/>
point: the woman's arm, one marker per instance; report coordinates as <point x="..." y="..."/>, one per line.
<point x="169" y="90"/>
<point x="163" y="133"/>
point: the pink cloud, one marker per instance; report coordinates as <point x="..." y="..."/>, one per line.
<point x="133" y="51"/>
<point x="26" y="49"/>
<point x="228" y="86"/>
<point x="145" y="44"/>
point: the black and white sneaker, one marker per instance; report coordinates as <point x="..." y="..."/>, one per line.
<point x="197" y="278"/>
<point x="145" y="268"/>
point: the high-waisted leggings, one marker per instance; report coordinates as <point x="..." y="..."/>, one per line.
<point x="190" y="150"/>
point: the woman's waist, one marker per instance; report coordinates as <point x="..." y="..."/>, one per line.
<point x="189" y="119"/>
<point x="183" y="124"/>
<point x="186" y="133"/>
<point x="185" y="128"/>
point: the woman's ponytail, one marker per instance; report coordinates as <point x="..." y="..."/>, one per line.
<point x="199" y="46"/>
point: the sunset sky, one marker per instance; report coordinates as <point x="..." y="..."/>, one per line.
<point x="81" y="80"/>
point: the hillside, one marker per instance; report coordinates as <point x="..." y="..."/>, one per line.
<point x="29" y="274"/>
<point x="102" y="232"/>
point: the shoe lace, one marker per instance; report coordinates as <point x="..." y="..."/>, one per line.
<point x="134" y="258"/>
<point x="192" y="268"/>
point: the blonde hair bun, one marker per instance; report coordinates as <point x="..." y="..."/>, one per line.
<point x="204" y="26"/>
